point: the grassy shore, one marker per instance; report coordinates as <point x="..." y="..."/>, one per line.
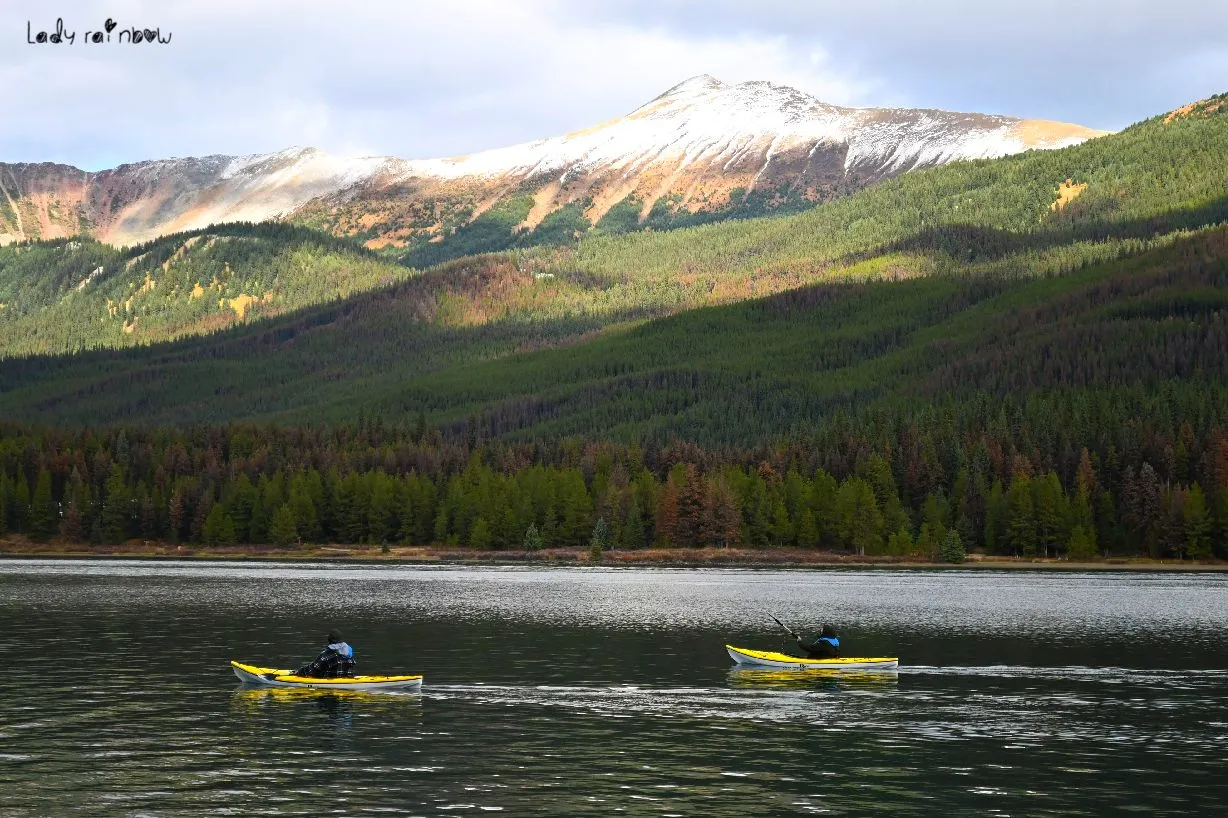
<point x="17" y="547"/>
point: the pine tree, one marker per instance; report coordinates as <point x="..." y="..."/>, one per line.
<point x="532" y="539"/>
<point x="219" y="528"/>
<point x="808" y="531"/>
<point x="72" y="526"/>
<point x="146" y="513"/>
<point x="353" y="508"/>
<point x="667" y="516"/>
<point x="43" y="510"/>
<point x="1081" y="513"/>
<point x="780" y="528"/>
<point x="1049" y="508"/>
<point x="900" y="544"/>
<point x="1082" y="545"/>
<point x="306" y="515"/>
<point x="577" y="509"/>
<point x="20" y="509"/>
<point x="443" y="522"/>
<point x="1085" y="477"/>
<point x="282" y="530"/>
<point x="996" y="513"/>
<point x="123" y="450"/>
<point x="176" y="512"/>
<point x="633" y="536"/>
<point x="600" y="541"/>
<point x="204" y="504"/>
<point x="1143" y="508"/>
<point x="407" y="519"/>
<point x="824" y="499"/>
<point x="6" y="502"/>
<point x="1197" y="520"/>
<point x="241" y="507"/>
<point x="1219" y="530"/>
<point x="1020" y="528"/>
<point x="479" y="534"/>
<point x="877" y="472"/>
<point x="1108" y="524"/>
<point x="692" y="510"/>
<point x="380" y="513"/>
<point x="861" y="519"/>
<point x="117" y="511"/>
<point x="75" y="524"/>
<point x="952" y="549"/>
<point x="936" y="518"/>
<point x="725" y="515"/>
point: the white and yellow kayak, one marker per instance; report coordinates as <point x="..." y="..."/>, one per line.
<point x="273" y="677"/>
<point x="767" y="658"/>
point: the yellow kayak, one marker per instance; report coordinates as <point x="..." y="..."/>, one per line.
<point x="274" y="677"/>
<point x="767" y="658"/>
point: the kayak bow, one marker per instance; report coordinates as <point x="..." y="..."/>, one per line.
<point x="767" y="658"/>
<point x="273" y="677"/>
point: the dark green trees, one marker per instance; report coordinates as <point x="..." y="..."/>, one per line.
<point x="291" y="485"/>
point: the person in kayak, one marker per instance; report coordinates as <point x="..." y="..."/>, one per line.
<point x="825" y="646"/>
<point x="337" y="659"/>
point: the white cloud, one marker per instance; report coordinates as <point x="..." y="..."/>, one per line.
<point x="420" y="79"/>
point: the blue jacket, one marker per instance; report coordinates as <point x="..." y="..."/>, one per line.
<point x="825" y="647"/>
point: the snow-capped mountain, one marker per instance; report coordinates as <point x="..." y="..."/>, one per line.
<point x="695" y="146"/>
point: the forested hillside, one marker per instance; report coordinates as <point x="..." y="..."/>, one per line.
<point x="1028" y="355"/>
<point x="1076" y="414"/>
<point x="67" y="295"/>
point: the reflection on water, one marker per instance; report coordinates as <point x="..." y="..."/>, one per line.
<point x="290" y="710"/>
<point x="824" y="678"/>
<point x="396" y="698"/>
<point x="599" y="692"/>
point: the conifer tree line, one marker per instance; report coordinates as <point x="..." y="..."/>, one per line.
<point x="927" y="494"/>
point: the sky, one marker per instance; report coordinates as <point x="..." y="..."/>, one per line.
<point x="424" y="79"/>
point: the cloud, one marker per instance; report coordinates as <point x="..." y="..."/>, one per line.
<point x="420" y="79"/>
<point x="1104" y="63"/>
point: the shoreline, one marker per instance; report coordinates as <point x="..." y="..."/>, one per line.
<point x="573" y="557"/>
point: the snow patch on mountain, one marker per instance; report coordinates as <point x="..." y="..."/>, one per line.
<point x="704" y="116"/>
<point x="703" y="139"/>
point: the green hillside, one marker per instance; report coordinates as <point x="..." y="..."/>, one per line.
<point x="67" y="295"/>
<point x="970" y="232"/>
<point x="1067" y="415"/>
<point x="1146" y="334"/>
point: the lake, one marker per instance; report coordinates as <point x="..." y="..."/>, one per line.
<point x="576" y="692"/>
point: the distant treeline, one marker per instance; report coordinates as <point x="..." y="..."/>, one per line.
<point x="925" y="494"/>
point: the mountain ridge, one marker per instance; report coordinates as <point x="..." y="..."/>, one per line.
<point x="703" y="146"/>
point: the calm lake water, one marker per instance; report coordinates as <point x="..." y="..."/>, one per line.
<point x="576" y="692"/>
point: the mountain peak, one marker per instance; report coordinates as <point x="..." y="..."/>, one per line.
<point x="699" y="82"/>
<point x="695" y="88"/>
<point x="703" y="146"/>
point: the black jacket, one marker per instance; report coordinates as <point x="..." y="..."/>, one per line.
<point x="335" y="660"/>
<point x="821" y="648"/>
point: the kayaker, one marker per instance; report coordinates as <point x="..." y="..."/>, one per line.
<point x="337" y="659"/>
<point x="825" y="646"/>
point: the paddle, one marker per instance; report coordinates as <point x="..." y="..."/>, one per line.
<point x="787" y="629"/>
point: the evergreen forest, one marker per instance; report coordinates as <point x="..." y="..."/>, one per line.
<point x="1024" y="356"/>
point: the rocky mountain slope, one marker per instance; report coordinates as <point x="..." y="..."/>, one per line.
<point x="702" y="150"/>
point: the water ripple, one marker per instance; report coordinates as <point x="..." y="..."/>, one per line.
<point x="578" y="693"/>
